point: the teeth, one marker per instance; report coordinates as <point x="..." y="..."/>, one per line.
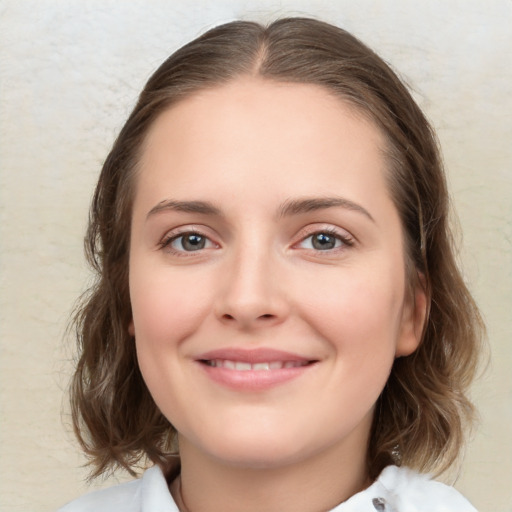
<point x="263" y="366"/>
<point x="228" y="364"/>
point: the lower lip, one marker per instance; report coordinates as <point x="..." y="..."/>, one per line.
<point x="253" y="380"/>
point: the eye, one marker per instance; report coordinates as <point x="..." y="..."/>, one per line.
<point x="325" y="241"/>
<point x="187" y="242"/>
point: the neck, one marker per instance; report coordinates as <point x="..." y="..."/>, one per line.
<point x="319" y="483"/>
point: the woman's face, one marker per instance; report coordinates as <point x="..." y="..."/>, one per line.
<point x="267" y="274"/>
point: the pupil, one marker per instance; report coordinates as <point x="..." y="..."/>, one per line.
<point x="323" y="241"/>
<point x="193" y="242"/>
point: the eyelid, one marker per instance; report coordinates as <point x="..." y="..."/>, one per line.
<point x="343" y="235"/>
<point x="189" y="229"/>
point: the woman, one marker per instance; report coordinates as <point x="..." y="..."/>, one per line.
<point x="278" y="322"/>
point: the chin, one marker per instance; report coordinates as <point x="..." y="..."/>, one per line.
<point x="255" y="451"/>
<point x="257" y="459"/>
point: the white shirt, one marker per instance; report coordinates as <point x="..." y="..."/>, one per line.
<point x="396" y="490"/>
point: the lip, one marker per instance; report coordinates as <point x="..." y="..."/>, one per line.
<point x="253" y="379"/>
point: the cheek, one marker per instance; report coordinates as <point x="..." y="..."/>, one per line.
<point x="359" y="321"/>
<point x="166" y="306"/>
<point x="358" y="313"/>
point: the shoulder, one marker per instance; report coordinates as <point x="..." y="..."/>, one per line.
<point x="147" y="493"/>
<point x="400" y="489"/>
<point x="420" y="492"/>
<point x="415" y="492"/>
<point x="124" y="497"/>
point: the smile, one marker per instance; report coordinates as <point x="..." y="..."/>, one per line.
<point x="254" y="370"/>
<point x="244" y="366"/>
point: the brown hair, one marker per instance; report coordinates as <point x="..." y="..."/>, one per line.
<point x="421" y="414"/>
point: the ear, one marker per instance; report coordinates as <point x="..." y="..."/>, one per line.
<point x="131" y="328"/>
<point x="413" y="319"/>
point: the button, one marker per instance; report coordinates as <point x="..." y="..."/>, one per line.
<point x="379" y="504"/>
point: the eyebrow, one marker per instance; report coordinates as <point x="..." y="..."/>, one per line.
<point x="203" y="207"/>
<point x="288" y="208"/>
<point x="306" y="205"/>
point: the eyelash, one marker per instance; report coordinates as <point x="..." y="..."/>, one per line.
<point x="345" y="239"/>
<point x="166" y="243"/>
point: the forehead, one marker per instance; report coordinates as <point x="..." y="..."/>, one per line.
<point x="263" y="101"/>
<point x="263" y="134"/>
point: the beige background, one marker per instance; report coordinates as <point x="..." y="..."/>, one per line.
<point x="70" y="72"/>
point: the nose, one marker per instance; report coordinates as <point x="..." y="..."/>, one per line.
<point x="251" y="292"/>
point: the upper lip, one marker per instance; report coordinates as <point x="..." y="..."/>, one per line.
<point x="257" y="355"/>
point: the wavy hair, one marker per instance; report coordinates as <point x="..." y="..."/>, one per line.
<point x="421" y="415"/>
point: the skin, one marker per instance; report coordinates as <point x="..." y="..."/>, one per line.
<point x="249" y="148"/>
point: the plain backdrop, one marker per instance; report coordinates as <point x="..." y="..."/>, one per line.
<point x="70" y="71"/>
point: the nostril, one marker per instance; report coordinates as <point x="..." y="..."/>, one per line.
<point x="248" y="318"/>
